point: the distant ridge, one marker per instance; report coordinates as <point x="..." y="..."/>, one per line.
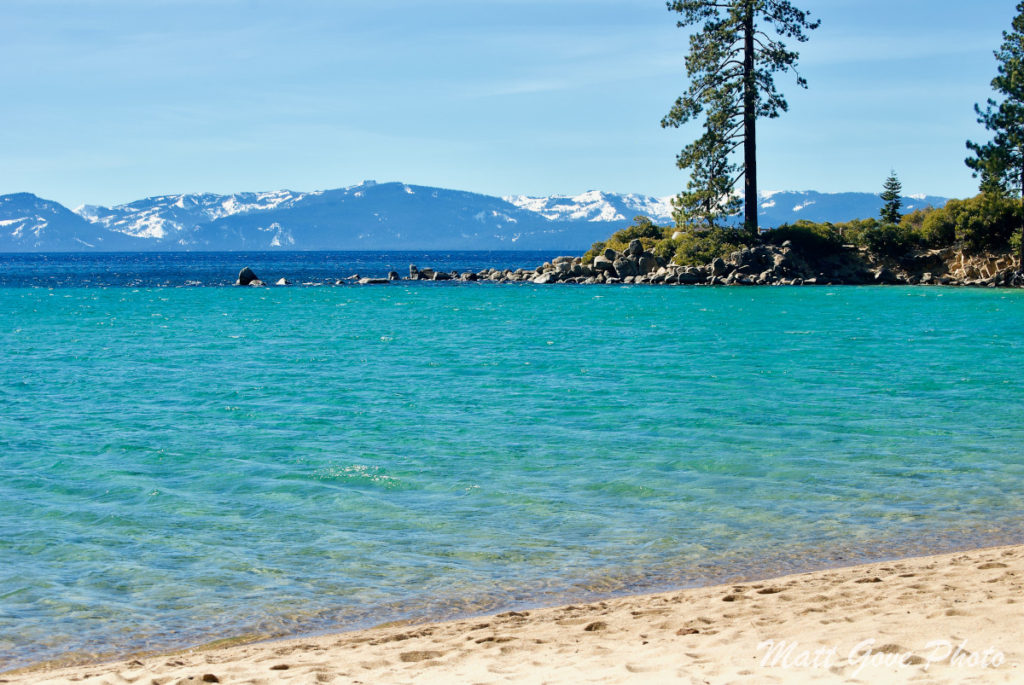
<point x="373" y="216"/>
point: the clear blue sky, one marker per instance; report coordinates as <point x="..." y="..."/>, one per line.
<point x="107" y="101"/>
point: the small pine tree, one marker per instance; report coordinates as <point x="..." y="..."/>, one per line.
<point x="892" y="196"/>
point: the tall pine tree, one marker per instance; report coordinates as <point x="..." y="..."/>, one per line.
<point x="892" y="196"/>
<point x="732" y="64"/>
<point x="1000" y="162"/>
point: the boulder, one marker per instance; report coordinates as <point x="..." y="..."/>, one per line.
<point x="246" y="276"/>
<point x="626" y="266"/>
<point x="427" y="275"/>
<point x="611" y="255"/>
<point x="283" y="281"/>
<point x="718" y="267"/>
<point x="373" y="281"/>
<point x="884" y="275"/>
<point x="635" y="249"/>
<point x="393" y="276"/>
<point x="257" y="283"/>
<point x="647" y="263"/>
<point x="604" y="265"/>
<point x="544" y="279"/>
<point x="441" y="276"/>
<point x="414" y="273"/>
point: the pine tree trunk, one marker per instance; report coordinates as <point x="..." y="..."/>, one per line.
<point x="749" y="124"/>
<point x="1020" y="263"/>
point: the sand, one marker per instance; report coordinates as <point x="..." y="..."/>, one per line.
<point x="956" y="618"/>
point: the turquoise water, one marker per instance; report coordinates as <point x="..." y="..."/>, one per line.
<point x="182" y="465"/>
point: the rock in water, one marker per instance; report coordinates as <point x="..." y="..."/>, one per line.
<point x="284" y="281"/>
<point x="393" y="276"/>
<point x="246" y="276"/>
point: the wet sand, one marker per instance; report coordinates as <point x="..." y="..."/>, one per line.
<point x="955" y="618"/>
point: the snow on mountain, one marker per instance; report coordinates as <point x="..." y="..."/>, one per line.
<point x="168" y="216"/>
<point x="779" y="207"/>
<point x="377" y="216"/>
<point x="595" y="206"/>
<point x="31" y="224"/>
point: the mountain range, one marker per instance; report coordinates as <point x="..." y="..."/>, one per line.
<point x="374" y="216"/>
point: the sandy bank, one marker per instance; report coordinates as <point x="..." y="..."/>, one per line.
<point x="950" y="618"/>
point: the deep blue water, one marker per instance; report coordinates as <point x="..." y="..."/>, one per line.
<point x="182" y="269"/>
<point x="186" y="464"/>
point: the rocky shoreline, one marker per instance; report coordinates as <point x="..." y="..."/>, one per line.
<point x="763" y="265"/>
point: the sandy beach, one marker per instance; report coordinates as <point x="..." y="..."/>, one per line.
<point x="950" y="618"/>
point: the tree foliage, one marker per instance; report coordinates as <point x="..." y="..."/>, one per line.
<point x="732" y="63"/>
<point x="1000" y="162"/>
<point x="892" y="192"/>
<point x="694" y="247"/>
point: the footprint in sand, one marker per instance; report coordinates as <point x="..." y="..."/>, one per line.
<point x="419" y="655"/>
<point x="634" y="668"/>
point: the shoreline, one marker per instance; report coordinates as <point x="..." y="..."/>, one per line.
<point x="883" y="620"/>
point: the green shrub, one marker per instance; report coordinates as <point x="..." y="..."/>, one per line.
<point x="853" y="232"/>
<point x="937" y="229"/>
<point x="643" y="229"/>
<point x="595" y="250"/>
<point x="890" y="240"/>
<point x="699" y="247"/>
<point x="665" y="248"/>
<point x="808" y="238"/>
<point x="986" y="222"/>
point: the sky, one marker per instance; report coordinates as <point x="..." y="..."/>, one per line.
<point x="109" y="101"/>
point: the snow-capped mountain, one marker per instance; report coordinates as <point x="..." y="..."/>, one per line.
<point x="374" y="216"/>
<point x="170" y="217"/>
<point x="596" y="206"/>
<point x="781" y="207"/>
<point x="32" y="224"/>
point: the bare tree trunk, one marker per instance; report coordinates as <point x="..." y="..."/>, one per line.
<point x="749" y="124"/>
